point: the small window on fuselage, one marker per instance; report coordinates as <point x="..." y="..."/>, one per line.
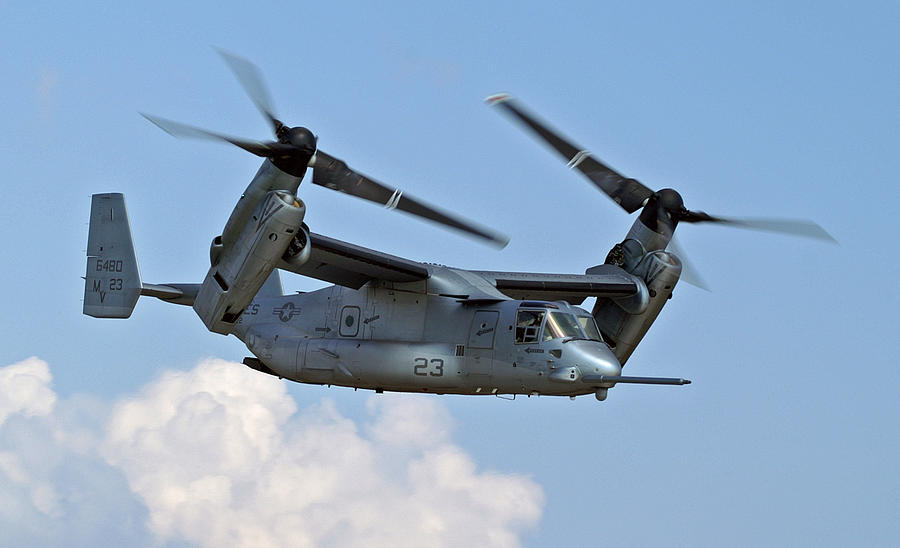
<point x="528" y="326"/>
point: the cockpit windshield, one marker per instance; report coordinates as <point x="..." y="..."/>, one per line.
<point x="556" y="324"/>
<point x="589" y="326"/>
<point x="561" y="325"/>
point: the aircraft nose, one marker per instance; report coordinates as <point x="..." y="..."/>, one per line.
<point x="594" y="358"/>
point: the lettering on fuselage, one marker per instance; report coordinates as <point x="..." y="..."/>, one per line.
<point x="481" y="332"/>
<point x="286" y="312"/>
<point x="104" y="287"/>
<point x="421" y="367"/>
<point x="372" y="319"/>
<point x="251" y="310"/>
<point x="534" y="350"/>
<point x="110" y="265"/>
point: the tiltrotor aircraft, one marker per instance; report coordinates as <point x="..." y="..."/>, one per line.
<point x="390" y="323"/>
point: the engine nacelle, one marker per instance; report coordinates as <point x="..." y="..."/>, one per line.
<point x="299" y="249"/>
<point x="233" y="281"/>
<point x="623" y="329"/>
<point x="624" y="322"/>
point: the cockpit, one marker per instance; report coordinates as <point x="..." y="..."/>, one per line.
<point x="540" y="325"/>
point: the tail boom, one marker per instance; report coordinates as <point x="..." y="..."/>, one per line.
<point x="112" y="283"/>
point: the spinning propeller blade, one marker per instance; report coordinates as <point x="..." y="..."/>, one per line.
<point x="177" y="129"/>
<point x="335" y="174"/>
<point x="689" y="273"/>
<point x="296" y="149"/>
<point x="254" y="86"/>
<point x="793" y="227"/>
<point x="628" y="193"/>
<point x="663" y="209"/>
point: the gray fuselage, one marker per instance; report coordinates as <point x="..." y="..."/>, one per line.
<point x="402" y="338"/>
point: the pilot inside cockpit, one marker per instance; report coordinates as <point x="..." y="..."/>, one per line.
<point x="528" y="325"/>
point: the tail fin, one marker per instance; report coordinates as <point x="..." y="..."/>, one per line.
<point x="272" y="287"/>
<point x="112" y="284"/>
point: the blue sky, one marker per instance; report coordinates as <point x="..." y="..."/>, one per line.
<point x="789" y="434"/>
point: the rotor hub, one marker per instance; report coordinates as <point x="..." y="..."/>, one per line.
<point x="670" y="200"/>
<point x="299" y="137"/>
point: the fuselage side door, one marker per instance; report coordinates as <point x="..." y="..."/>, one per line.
<point x="480" y="346"/>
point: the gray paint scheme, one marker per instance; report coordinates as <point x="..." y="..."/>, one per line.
<point x="390" y="323"/>
<point x="411" y="342"/>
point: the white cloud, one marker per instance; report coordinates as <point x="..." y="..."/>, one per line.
<point x="219" y="455"/>
<point x="54" y="487"/>
<point x="220" y="458"/>
<point x="409" y="422"/>
<point x="25" y="388"/>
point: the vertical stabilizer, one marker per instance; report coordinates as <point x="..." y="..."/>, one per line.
<point x="272" y="287"/>
<point x="112" y="283"/>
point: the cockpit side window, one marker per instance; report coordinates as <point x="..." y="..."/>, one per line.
<point x="589" y="326"/>
<point x="528" y="325"/>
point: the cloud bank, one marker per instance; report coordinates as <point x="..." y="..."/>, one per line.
<point x="220" y="455"/>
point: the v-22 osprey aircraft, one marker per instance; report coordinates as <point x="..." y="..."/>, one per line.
<point x="394" y="324"/>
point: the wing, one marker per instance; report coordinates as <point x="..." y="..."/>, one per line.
<point x="352" y="266"/>
<point x="605" y="281"/>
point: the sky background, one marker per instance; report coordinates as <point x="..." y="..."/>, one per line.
<point x="142" y="432"/>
